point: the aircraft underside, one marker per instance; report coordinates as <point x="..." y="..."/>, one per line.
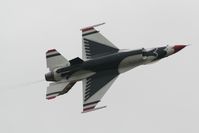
<point x="101" y="64"/>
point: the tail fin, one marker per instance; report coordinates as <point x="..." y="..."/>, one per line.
<point x="54" y="59"/>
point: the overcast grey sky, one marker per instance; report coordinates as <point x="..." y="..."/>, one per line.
<point x="158" y="98"/>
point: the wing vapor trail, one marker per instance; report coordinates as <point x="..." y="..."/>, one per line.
<point x="31" y="83"/>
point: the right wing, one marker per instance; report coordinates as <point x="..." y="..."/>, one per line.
<point x="95" y="87"/>
<point x="95" y="44"/>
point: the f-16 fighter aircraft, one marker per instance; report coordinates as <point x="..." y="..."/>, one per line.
<point x="102" y="63"/>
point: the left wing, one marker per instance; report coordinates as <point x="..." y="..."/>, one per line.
<point x="94" y="44"/>
<point x="95" y="87"/>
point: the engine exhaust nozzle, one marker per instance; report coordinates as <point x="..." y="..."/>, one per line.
<point x="49" y="76"/>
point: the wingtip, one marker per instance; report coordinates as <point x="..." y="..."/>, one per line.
<point x="51" y="50"/>
<point x="49" y="98"/>
<point x="91" y="27"/>
<point x="93" y="109"/>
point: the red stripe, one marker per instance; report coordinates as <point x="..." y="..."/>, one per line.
<point x="87" y="29"/>
<point x="86" y="109"/>
<point x="51" y="50"/>
<point x="51" y="97"/>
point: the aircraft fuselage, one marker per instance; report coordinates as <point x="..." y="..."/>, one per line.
<point x="116" y="63"/>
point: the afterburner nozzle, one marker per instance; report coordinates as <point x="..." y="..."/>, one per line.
<point x="49" y="76"/>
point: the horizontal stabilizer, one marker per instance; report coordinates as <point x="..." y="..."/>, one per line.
<point x="58" y="88"/>
<point x="68" y="87"/>
<point x="54" y="59"/>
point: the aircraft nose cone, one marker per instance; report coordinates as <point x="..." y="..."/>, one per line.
<point x="178" y="48"/>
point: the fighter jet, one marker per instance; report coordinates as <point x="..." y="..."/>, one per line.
<point x="102" y="62"/>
